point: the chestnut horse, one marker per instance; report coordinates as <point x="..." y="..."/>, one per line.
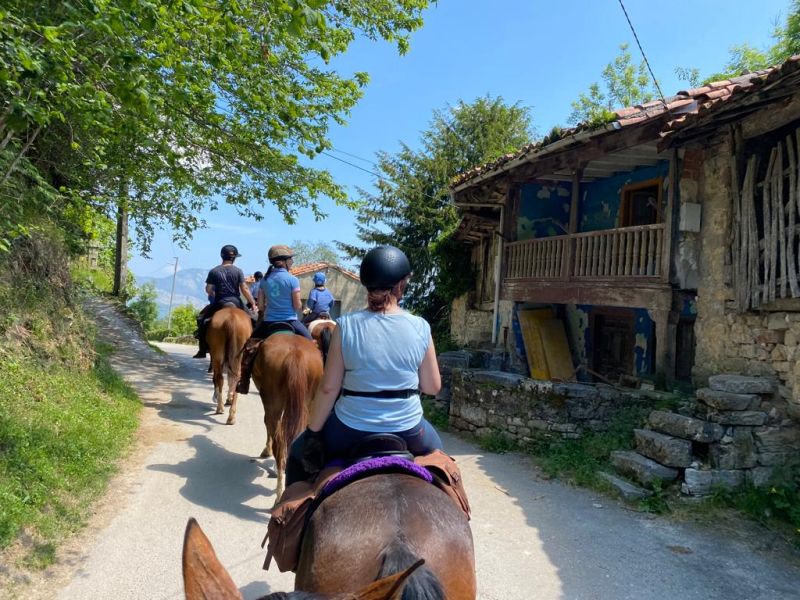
<point x="204" y="577"/>
<point x="286" y="371"/>
<point x="227" y="333"/>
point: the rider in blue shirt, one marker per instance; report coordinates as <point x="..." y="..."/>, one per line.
<point x="320" y="300"/>
<point x="279" y="300"/>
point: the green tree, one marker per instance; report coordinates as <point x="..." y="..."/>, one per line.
<point x="162" y="106"/>
<point x="307" y="252"/>
<point x="411" y="208"/>
<point x="144" y="306"/>
<point x="624" y="84"/>
<point x="184" y="320"/>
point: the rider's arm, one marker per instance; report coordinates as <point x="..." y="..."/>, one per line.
<point x="262" y="300"/>
<point x="430" y="382"/>
<point x="246" y="292"/>
<point x="312" y="299"/>
<point x="331" y="384"/>
<point x="209" y="289"/>
<point x="297" y="304"/>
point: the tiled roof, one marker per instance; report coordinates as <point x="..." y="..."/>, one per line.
<point x="683" y="107"/>
<point x="313" y="267"/>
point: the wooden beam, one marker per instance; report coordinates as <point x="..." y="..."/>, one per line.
<point x="670" y="216"/>
<point x="628" y="293"/>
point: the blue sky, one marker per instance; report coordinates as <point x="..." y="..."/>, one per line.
<point x="539" y="53"/>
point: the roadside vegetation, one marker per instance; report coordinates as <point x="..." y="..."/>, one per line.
<point x="65" y="417"/>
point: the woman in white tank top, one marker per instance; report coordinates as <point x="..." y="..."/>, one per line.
<point x="380" y="359"/>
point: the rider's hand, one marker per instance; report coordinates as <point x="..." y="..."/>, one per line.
<point x="313" y="457"/>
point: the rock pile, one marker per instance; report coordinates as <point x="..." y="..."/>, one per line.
<point x="737" y="431"/>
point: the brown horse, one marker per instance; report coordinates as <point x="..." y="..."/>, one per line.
<point x="227" y="333"/>
<point x="287" y="371"/>
<point x="322" y="330"/>
<point x="381" y="525"/>
<point x="204" y="577"/>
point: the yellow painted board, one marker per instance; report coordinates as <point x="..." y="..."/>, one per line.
<point x="556" y="349"/>
<point x="530" y="323"/>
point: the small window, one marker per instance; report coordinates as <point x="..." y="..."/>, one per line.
<point x="641" y="204"/>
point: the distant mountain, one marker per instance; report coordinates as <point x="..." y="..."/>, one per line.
<point x="190" y="287"/>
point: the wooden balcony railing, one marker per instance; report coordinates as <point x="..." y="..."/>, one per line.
<point x="628" y="252"/>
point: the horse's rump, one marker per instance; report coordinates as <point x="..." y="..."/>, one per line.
<point x="382" y="524"/>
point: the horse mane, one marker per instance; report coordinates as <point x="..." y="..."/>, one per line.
<point x="422" y="584"/>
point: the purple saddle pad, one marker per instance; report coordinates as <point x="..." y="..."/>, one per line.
<point x="373" y="466"/>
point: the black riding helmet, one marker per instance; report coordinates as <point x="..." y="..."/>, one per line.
<point x="229" y="252"/>
<point x="383" y="267"/>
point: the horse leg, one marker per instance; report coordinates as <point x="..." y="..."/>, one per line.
<point x="232" y="397"/>
<point x="267" y="451"/>
<point x="218" y="382"/>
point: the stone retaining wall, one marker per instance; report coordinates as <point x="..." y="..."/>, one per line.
<point x="525" y="409"/>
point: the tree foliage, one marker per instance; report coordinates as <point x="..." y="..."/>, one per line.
<point x="167" y="105"/>
<point x="308" y="252"/>
<point x="144" y="306"/>
<point x="411" y="208"/>
<point x="624" y="84"/>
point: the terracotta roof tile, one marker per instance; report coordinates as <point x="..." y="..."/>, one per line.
<point x="313" y="267"/>
<point x="686" y="103"/>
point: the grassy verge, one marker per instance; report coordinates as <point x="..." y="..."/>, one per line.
<point x="61" y="434"/>
<point x="65" y="417"/>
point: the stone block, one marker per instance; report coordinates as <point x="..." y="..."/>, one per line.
<point x="667" y="450"/>
<point x="739" y="453"/>
<point x="685" y="427"/>
<point x="474" y="414"/>
<point x="777" y="321"/>
<point x="539" y="424"/>
<point x="768" y="336"/>
<point x="778" y="353"/>
<point x="752" y="418"/>
<point x="725" y="400"/>
<point x="696" y="482"/>
<point x="727" y="478"/>
<point x="790" y="338"/>
<point x="777" y="439"/>
<point x="642" y="469"/>
<point x="740" y="384"/>
<point x="759" y="476"/>
<point x="564" y="427"/>
<point x="627" y="490"/>
<point x="774" y="459"/>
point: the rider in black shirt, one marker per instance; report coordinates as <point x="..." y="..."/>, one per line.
<point x="226" y="282"/>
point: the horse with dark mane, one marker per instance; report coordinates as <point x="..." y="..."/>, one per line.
<point x="227" y="333"/>
<point x="376" y="528"/>
<point x="322" y="330"/>
<point x="204" y="577"/>
<point x="287" y="371"/>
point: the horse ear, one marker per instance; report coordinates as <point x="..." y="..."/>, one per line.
<point x="388" y="588"/>
<point x="203" y="575"/>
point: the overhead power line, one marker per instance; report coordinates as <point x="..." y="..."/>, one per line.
<point x="644" y="56"/>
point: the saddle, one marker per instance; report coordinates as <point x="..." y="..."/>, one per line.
<point x="375" y="454"/>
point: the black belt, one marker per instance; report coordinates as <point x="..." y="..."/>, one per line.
<point x="383" y="393"/>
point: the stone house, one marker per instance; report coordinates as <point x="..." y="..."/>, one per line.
<point x="345" y="286"/>
<point x="663" y="240"/>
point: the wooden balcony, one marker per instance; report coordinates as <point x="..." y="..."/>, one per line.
<point x="628" y="253"/>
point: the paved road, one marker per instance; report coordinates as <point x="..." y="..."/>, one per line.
<point x="535" y="539"/>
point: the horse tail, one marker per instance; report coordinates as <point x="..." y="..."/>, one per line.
<point x="295" y="410"/>
<point x="229" y="358"/>
<point x="422" y="584"/>
<point x="325" y="342"/>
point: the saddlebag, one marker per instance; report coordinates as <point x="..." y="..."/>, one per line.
<point x="446" y="476"/>
<point x="285" y="529"/>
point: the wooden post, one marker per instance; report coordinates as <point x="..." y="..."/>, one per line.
<point x="571" y="253"/>
<point x="669" y="217"/>
<point x="663" y="345"/>
<point x="121" y="250"/>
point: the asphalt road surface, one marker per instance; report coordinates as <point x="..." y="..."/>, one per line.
<point x="534" y="538"/>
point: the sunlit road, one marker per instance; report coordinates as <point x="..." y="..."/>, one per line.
<point x="534" y="538"/>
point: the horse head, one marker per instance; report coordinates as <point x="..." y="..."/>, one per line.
<point x="205" y="578"/>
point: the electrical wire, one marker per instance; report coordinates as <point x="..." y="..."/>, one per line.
<point x="647" y="62"/>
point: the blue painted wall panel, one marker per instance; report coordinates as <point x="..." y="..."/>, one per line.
<point x="543" y="209"/>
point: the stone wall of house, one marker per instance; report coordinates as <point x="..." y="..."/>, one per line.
<point x="525" y="409"/>
<point x="763" y="344"/>
<point x="470" y="326"/>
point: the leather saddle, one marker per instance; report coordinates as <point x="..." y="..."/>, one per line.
<point x="380" y="444"/>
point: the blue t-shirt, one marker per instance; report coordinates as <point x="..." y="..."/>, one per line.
<point x="320" y="300"/>
<point x="278" y="288"/>
<point x="381" y="352"/>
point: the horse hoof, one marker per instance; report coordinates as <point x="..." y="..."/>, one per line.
<point x="265" y="454"/>
<point x="230" y="421"/>
<point x="227" y="403"/>
<point x="218" y="411"/>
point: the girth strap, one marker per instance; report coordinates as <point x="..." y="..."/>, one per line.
<point x="383" y="393"/>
